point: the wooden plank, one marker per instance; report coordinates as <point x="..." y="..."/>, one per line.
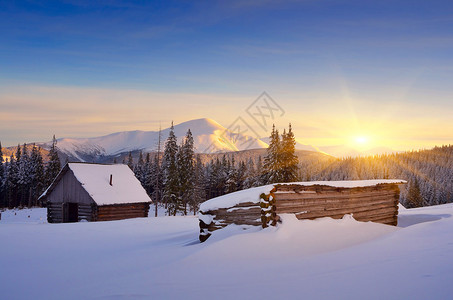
<point x="339" y="209"/>
<point x="334" y="196"/>
<point x="121" y="216"/>
<point x="345" y="206"/>
<point x="101" y="209"/>
<point x="341" y="213"/>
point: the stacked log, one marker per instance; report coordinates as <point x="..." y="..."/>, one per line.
<point x="121" y="211"/>
<point x="247" y="213"/>
<point x="375" y="203"/>
<point x="86" y="212"/>
<point x="54" y="212"/>
<point x="268" y="206"/>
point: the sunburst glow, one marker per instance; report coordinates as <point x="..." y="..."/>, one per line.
<point x="361" y="140"/>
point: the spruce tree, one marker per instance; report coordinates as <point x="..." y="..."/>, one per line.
<point x="130" y="161"/>
<point x="170" y="174"/>
<point x="288" y="157"/>
<point x="231" y="178"/>
<point x="272" y="160"/>
<point x="199" y="194"/>
<point x="2" y="179"/>
<point x="36" y="175"/>
<point x="260" y="177"/>
<point x="156" y="183"/>
<point x="54" y="164"/>
<point x="139" y="169"/>
<point x="10" y="185"/>
<point x="186" y="169"/>
<point x="250" y="174"/>
<point x="414" y="197"/>
<point x="24" y="178"/>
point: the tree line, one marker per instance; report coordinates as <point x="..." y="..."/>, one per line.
<point x="24" y="176"/>
<point x="429" y="173"/>
<point x="178" y="180"/>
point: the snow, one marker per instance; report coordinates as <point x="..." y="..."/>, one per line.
<point x="252" y="194"/>
<point x="232" y="199"/>
<point x="160" y="258"/>
<point x="349" y="183"/>
<point x="26" y="215"/>
<point x="95" y="179"/>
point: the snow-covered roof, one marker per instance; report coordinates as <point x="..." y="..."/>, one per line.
<point x="95" y="179"/>
<point x="252" y="195"/>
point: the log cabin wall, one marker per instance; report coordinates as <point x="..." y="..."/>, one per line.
<point x="69" y="190"/>
<point x="247" y="213"/>
<point x="121" y="211"/>
<point x="55" y="212"/>
<point x="378" y="203"/>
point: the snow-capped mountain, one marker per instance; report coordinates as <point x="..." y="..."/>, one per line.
<point x="209" y="137"/>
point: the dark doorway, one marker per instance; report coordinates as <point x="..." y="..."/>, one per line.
<point x="71" y="212"/>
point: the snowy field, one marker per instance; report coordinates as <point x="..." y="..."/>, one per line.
<point x="160" y="258"/>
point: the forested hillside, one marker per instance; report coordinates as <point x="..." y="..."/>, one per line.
<point x="429" y="171"/>
<point x="193" y="178"/>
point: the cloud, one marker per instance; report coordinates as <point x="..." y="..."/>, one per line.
<point x="83" y="112"/>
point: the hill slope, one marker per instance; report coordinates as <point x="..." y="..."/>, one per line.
<point x="143" y="258"/>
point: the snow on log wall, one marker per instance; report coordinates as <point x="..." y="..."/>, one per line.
<point x="376" y="203"/>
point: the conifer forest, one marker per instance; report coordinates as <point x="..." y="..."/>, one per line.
<point x="179" y="180"/>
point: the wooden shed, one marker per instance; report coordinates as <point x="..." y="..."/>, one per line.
<point x="95" y="192"/>
<point x="366" y="200"/>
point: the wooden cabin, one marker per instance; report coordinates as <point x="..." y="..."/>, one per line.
<point x="366" y="200"/>
<point x="95" y="192"/>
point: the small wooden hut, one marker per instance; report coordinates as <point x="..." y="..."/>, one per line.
<point x="366" y="200"/>
<point x="95" y="192"/>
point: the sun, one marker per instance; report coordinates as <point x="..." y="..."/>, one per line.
<point x="361" y="140"/>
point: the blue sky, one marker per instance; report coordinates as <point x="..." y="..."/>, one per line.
<point x="341" y="64"/>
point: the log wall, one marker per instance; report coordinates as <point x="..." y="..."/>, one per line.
<point x="377" y="203"/>
<point x="121" y="211"/>
<point x="247" y="213"/>
<point x="56" y="212"/>
<point x="92" y="212"/>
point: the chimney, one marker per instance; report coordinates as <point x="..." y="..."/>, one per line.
<point x="111" y="176"/>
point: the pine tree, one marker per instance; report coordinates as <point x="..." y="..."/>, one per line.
<point x="2" y="179"/>
<point x="156" y="183"/>
<point x="231" y="178"/>
<point x="272" y="160"/>
<point x="170" y="174"/>
<point x="10" y="182"/>
<point x="186" y="169"/>
<point x="130" y="161"/>
<point x="250" y="174"/>
<point x="36" y="175"/>
<point x="414" y="197"/>
<point x="288" y="157"/>
<point x="199" y="194"/>
<point x="260" y="177"/>
<point x="139" y="169"/>
<point x="54" y="164"/>
<point x="24" y="176"/>
<point x="147" y="175"/>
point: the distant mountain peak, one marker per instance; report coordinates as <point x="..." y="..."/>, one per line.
<point x="209" y="136"/>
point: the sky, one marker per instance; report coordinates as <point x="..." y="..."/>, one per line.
<point x="359" y="73"/>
